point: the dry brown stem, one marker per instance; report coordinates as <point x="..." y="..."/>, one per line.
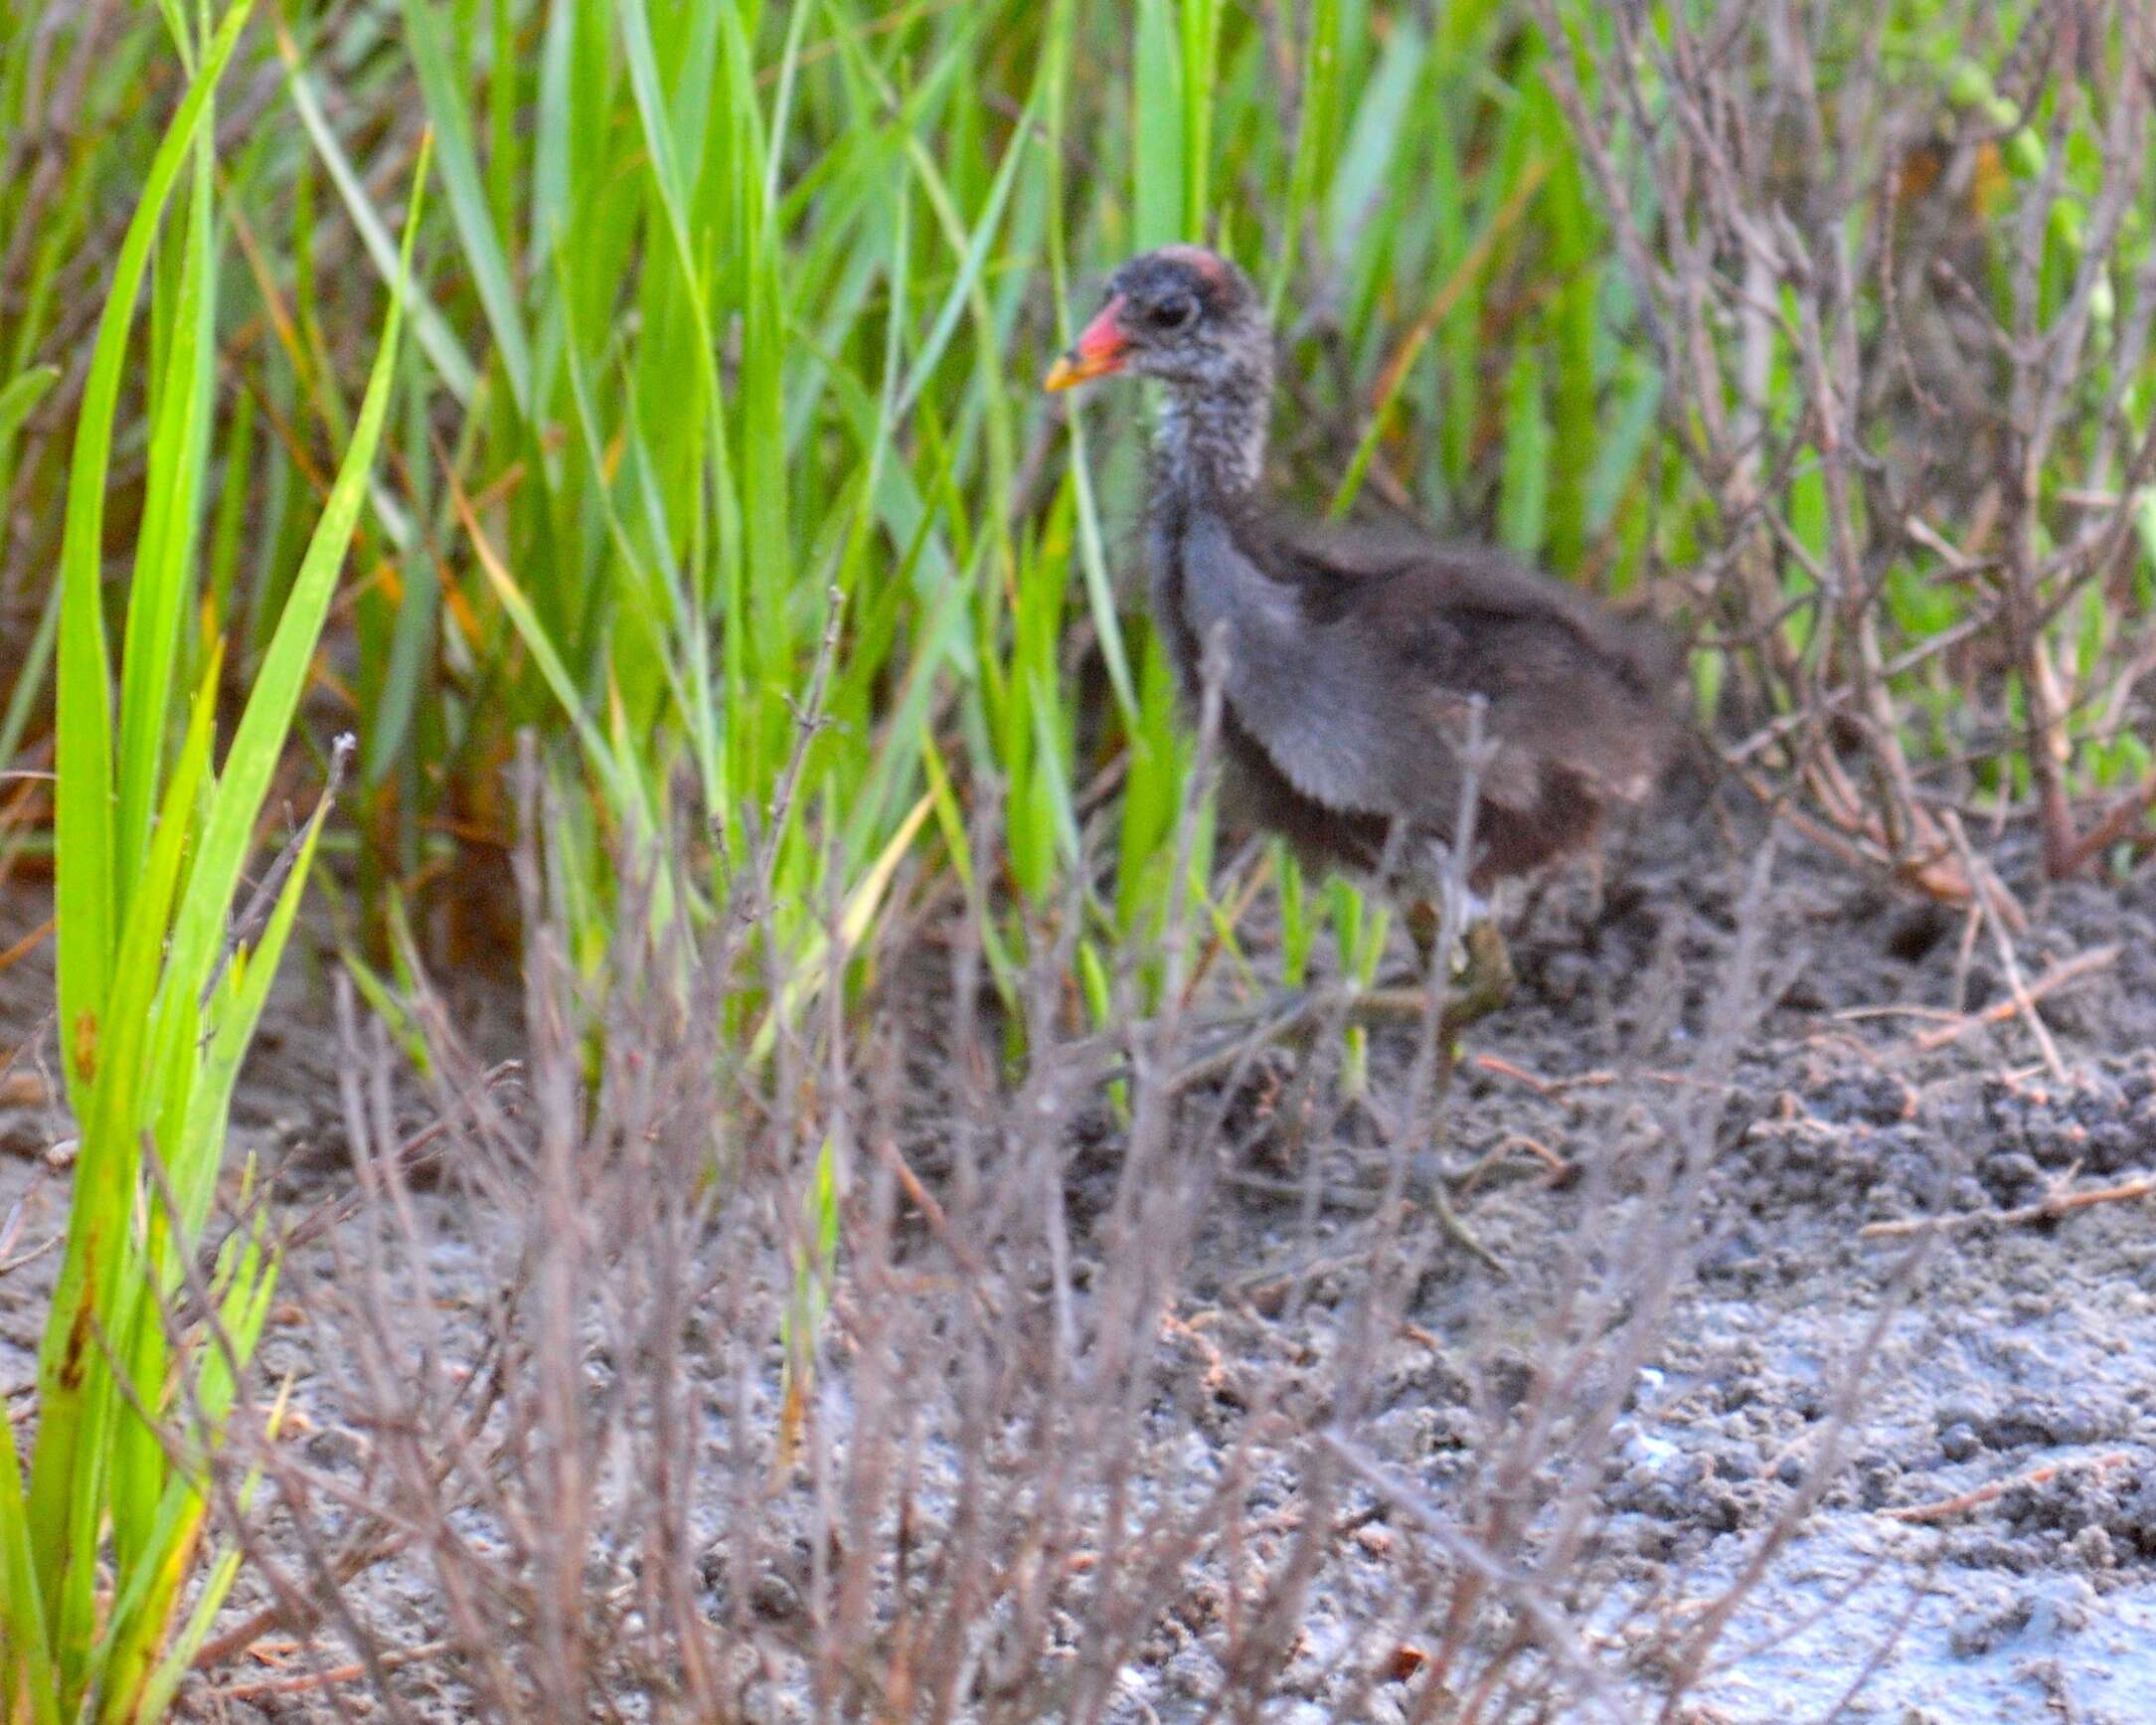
<point x="1831" y="233"/>
<point x="2066" y="971"/>
<point x="2050" y="1208"/>
<point x="1947" y="1509"/>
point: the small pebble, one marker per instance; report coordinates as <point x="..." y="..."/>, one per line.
<point x="774" y="1596"/>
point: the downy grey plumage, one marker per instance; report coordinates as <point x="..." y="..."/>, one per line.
<point x="1349" y="656"/>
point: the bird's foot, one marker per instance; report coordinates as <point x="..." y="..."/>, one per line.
<point x="1425" y="1187"/>
<point x="1431" y="1188"/>
<point x="1482" y="982"/>
<point x="1427" y="1183"/>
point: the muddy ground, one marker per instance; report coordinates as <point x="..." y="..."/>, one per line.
<point x="1986" y="1551"/>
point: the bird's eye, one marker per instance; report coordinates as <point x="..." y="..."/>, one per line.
<point x="1172" y="313"/>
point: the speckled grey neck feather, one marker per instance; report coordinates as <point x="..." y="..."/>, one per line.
<point x="1210" y="436"/>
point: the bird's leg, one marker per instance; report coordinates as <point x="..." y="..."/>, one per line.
<point x="1483" y="984"/>
<point x="1480" y="983"/>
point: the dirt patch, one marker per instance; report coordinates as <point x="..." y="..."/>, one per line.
<point x="1985" y="1550"/>
<point x="1977" y="1542"/>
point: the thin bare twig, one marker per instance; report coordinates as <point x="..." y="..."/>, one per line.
<point x="2066" y="971"/>
<point x="2050" y="1208"/>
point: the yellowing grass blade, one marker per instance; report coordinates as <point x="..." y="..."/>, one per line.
<point x="855" y="919"/>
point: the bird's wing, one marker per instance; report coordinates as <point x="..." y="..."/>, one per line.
<point x="1400" y="641"/>
<point x="1555" y="700"/>
<point x="1336" y="692"/>
<point x="1305" y="688"/>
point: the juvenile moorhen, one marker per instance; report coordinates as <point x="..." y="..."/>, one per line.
<point x="1352" y="657"/>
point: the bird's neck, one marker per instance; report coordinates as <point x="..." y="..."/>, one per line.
<point x="1210" y="443"/>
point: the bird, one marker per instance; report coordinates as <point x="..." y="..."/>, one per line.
<point x="1353" y="661"/>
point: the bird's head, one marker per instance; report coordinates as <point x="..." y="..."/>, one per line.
<point x="1183" y="314"/>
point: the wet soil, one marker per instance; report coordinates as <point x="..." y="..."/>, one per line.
<point x="1986" y="1548"/>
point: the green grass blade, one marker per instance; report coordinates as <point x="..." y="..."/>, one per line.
<point x="452" y="365"/>
<point x="23" y="699"/>
<point x="85" y="883"/>
<point x="446" y="92"/>
<point x="26" y="1669"/>
<point x="68" y="1471"/>
<point x="227" y="829"/>
<point x="1156" y="156"/>
<point x="165" y="557"/>
<point x="21" y="396"/>
<point x="132" y="1093"/>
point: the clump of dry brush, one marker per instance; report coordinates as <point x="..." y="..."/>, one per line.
<point x="1903" y="306"/>
<point x="901" y="1377"/>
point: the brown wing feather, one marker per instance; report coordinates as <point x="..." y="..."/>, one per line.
<point x="1354" y="657"/>
<point x="1570" y="684"/>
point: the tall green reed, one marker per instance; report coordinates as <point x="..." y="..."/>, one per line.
<point x="159" y="992"/>
<point x="744" y="307"/>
